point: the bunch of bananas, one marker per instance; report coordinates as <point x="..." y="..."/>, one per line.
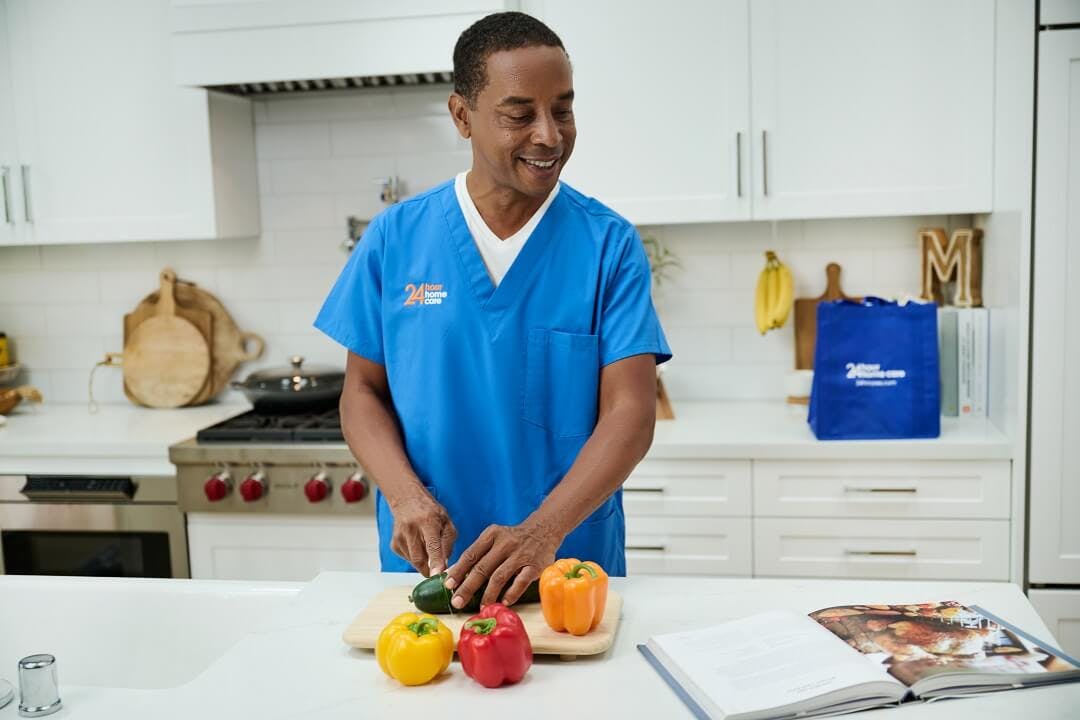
<point x="775" y="294"/>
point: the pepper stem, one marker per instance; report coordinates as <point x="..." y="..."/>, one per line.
<point x="423" y="626"/>
<point x="576" y="571"/>
<point x="481" y="627"/>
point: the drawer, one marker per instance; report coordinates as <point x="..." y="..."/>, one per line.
<point x="900" y="549"/>
<point x="683" y="488"/>
<point x="688" y="546"/>
<point x="904" y="489"/>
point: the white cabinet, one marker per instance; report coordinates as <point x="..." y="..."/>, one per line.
<point x="109" y="148"/>
<point x="1060" y="610"/>
<point x="893" y="549"/>
<point x="688" y="517"/>
<point x="9" y="159"/>
<point x="772" y="109"/>
<point x="872" y="107"/>
<point x="661" y="106"/>
<point x="223" y="546"/>
<point x="1054" y="544"/>
<point x="865" y="489"/>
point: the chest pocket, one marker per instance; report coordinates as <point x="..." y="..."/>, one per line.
<point x="562" y="382"/>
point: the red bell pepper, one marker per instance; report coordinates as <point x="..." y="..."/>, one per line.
<point x="494" y="647"/>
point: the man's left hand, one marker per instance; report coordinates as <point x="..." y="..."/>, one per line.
<point x="503" y="553"/>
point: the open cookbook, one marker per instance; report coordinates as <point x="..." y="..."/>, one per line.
<point x="851" y="657"/>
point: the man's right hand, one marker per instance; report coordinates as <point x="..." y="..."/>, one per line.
<point x="423" y="533"/>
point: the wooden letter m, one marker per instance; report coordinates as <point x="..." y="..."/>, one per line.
<point x="958" y="259"/>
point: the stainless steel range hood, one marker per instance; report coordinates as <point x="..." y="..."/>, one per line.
<point x="287" y="46"/>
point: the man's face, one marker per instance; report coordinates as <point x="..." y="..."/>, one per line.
<point x="522" y="127"/>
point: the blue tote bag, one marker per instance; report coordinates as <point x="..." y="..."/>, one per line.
<point x="875" y="371"/>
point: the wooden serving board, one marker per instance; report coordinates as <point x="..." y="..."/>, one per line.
<point x="167" y="357"/>
<point x="228" y="344"/>
<point x="806" y="317"/>
<point x="391" y="602"/>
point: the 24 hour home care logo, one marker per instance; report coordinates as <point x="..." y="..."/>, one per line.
<point x="424" y="294"/>
<point x="871" y="375"/>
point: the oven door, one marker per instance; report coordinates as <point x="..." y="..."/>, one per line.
<point x="41" y="538"/>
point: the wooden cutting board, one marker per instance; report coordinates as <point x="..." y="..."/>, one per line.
<point x="391" y="602"/>
<point x="228" y="344"/>
<point x="806" y="317"/>
<point x="167" y="357"/>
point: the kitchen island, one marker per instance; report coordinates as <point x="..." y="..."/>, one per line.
<point x="286" y="659"/>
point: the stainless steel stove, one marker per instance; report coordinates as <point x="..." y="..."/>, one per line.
<point x="274" y="497"/>
<point x="258" y="463"/>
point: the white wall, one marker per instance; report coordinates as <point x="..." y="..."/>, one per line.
<point x="319" y="158"/>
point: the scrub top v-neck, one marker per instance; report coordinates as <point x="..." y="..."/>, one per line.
<point x="497" y="253"/>
<point x="496" y="387"/>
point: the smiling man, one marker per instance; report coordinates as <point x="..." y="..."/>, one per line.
<point x="501" y="376"/>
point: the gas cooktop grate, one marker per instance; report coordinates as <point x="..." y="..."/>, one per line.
<point x="254" y="427"/>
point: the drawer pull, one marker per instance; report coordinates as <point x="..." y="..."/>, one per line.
<point x="643" y="489"/>
<point x="646" y="548"/>
<point x="898" y="490"/>
<point x="881" y="553"/>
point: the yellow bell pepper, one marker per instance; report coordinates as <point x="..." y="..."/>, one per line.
<point x="414" y="649"/>
<point x="573" y="595"/>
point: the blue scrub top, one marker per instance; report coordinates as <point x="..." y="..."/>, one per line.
<point x="496" y="388"/>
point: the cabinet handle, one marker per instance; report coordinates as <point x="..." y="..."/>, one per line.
<point x="5" y="175"/>
<point x="27" y="201"/>
<point x="646" y="548"/>
<point x="765" y="162"/>
<point x="643" y="489"/>
<point x="738" y="164"/>
<point x="881" y="553"/>
<point x="897" y="490"/>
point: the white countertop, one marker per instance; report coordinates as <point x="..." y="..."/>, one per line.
<point x="128" y="440"/>
<point x="776" y="431"/>
<point x="295" y="664"/>
<point x="117" y="440"/>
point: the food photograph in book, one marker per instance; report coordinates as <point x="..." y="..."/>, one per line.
<point x="918" y="641"/>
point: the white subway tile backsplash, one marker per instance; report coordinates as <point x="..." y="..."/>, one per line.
<point x="77" y="257"/>
<point x="23" y="319"/>
<point x="309" y="139"/>
<point x="60" y="353"/>
<point x="325" y="107"/>
<point x="20" y="257"/>
<point x="297" y="316"/>
<point x="83" y="320"/>
<point x="289" y="212"/>
<point x="48" y="287"/>
<point x="696" y="345"/>
<point x="319" y="159"/>
<point x="332" y="175"/>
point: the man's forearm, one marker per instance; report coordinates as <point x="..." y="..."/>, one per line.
<point x="371" y="430"/>
<point x="618" y="443"/>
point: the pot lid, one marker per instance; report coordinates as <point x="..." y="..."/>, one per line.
<point x="297" y="378"/>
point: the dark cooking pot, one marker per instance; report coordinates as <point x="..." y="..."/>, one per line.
<point x="297" y="388"/>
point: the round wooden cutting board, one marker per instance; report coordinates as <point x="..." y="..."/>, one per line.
<point x="166" y="359"/>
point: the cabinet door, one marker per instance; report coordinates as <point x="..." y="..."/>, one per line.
<point x="1060" y="610"/>
<point x="1054" y="547"/>
<point x="871" y="107"/>
<point x="661" y="104"/>
<point x="9" y="165"/>
<point x="113" y="149"/>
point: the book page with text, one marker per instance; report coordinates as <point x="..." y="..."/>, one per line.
<point x="767" y="661"/>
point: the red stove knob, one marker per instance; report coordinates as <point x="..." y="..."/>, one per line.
<point x="354" y="489"/>
<point x="317" y="488"/>
<point x="253" y="487"/>
<point x="217" y="486"/>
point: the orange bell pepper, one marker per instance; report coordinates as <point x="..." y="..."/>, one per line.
<point x="573" y="595"/>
